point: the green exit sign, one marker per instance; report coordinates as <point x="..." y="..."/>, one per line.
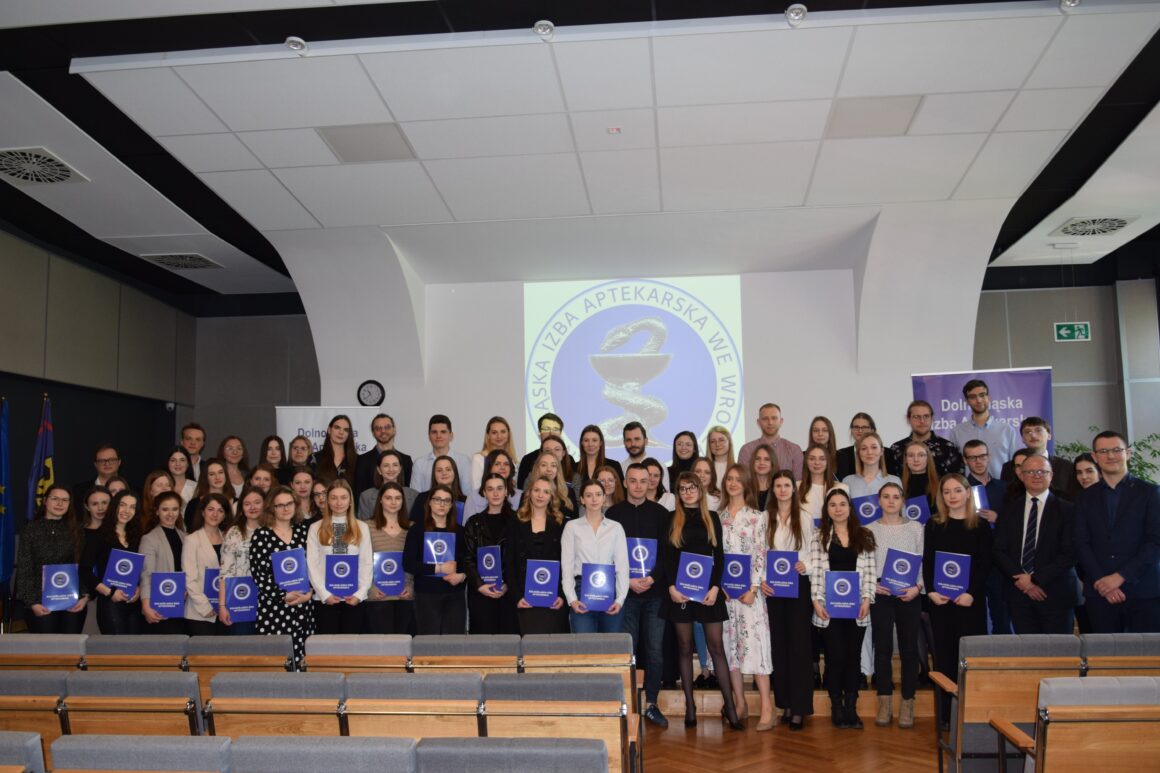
<point x="1073" y="331"/>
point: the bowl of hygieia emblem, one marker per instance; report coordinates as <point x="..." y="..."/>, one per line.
<point x="630" y="368"/>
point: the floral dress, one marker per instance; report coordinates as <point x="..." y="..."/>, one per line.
<point x="274" y="615"/>
<point x="746" y="631"/>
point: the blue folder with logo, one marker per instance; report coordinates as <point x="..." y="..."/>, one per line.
<point x="487" y="562"/>
<point x="597" y="586"/>
<point x="542" y="582"/>
<point x="438" y="547"/>
<point x="212" y="587"/>
<point x="693" y="573"/>
<point x="342" y="574"/>
<point x="290" y="571"/>
<point x="59" y="587"/>
<point x="167" y="594"/>
<point x="642" y="556"/>
<point x="242" y="599"/>
<point x="780" y="573"/>
<point x="979" y="494"/>
<point x="901" y="570"/>
<point x="952" y="574"/>
<point x="735" y="580"/>
<point x="866" y="508"/>
<point x="123" y="571"/>
<point x="917" y="509"/>
<point x="843" y="596"/>
<point x="388" y="575"/>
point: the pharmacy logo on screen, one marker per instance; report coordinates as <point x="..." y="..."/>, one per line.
<point x="289" y="565"/>
<point x="733" y="568"/>
<point x="842" y="586"/>
<point x="636" y="350"/>
<point x="542" y="576"/>
<point x="59" y="579"/>
<point x="167" y="587"/>
<point x="952" y="569"/>
<point x="597" y="579"/>
<point x="341" y="569"/>
<point x="781" y="566"/>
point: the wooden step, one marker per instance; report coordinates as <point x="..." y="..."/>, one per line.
<point x="709" y="702"/>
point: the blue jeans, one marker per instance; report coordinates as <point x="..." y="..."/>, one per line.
<point x="641" y="616"/>
<point x="595" y="622"/>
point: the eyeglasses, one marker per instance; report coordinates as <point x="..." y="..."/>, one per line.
<point x="283" y="505"/>
<point x="1037" y="473"/>
<point x="921" y="416"/>
<point x="1110" y="451"/>
<point x="440" y="500"/>
<point x="688" y="489"/>
<point x="860" y="427"/>
<point x="108" y="460"/>
<point x="976" y="457"/>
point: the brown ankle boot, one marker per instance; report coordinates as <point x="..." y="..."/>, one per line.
<point x="906" y="714"/>
<point x="885" y="711"/>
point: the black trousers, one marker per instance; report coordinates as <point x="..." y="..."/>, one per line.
<point x="339" y="618"/>
<point x="439" y="613"/>
<point x="543" y="620"/>
<point x="948" y="624"/>
<point x="790" y="634"/>
<point x="205" y="628"/>
<point x="842" y="639"/>
<point x="56" y="622"/>
<point x="396" y="616"/>
<point x="1028" y="616"/>
<point x="173" y="626"/>
<point x="119" y="618"/>
<point x="492" y="616"/>
<point x="886" y="614"/>
<point x="1134" y="615"/>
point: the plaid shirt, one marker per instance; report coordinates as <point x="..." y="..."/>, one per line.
<point x="867" y="568"/>
<point x="947" y="457"/>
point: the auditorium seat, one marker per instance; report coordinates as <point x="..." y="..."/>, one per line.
<point x="583" y="653"/>
<point x="132" y="752"/>
<point x="149" y="702"/>
<point x="1120" y="654"/>
<point x="42" y="650"/>
<point x="503" y="755"/>
<point x="126" y="653"/>
<point x="244" y="703"/>
<point x="210" y="654"/>
<point x="28" y="703"/>
<point x="484" y="654"/>
<point x="414" y="705"/>
<point x="337" y="755"/>
<point x="358" y="653"/>
<point x="21" y="750"/>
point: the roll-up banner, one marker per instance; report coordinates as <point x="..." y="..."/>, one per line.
<point x="311" y="421"/>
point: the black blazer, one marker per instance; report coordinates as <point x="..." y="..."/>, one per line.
<point x="1062" y="477"/>
<point x="1130" y="545"/>
<point x="1055" y="555"/>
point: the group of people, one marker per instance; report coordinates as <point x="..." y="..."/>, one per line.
<point x="1026" y="519"/>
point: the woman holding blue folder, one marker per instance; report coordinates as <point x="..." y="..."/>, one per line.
<point x="492" y="608"/>
<point x="235" y="553"/>
<point x="389" y="525"/>
<point x="536" y="536"/>
<point x="52" y="537"/>
<point x="843" y="545"/>
<point x="896" y="608"/>
<point x="694" y="528"/>
<point x="339" y="533"/>
<point x="117" y="613"/>
<point x="440" y="604"/>
<point x="281" y="612"/>
<point x="593" y="539"/>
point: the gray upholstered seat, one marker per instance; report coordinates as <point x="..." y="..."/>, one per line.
<point x="466" y="646"/>
<point x="275" y="684"/>
<point x="1100" y="690"/>
<point x="43" y="644"/>
<point x="503" y="755"/>
<point x="137" y="645"/>
<point x="141" y="752"/>
<point x="358" y="644"/>
<point x="18" y="682"/>
<point x="577" y="644"/>
<point x="553" y="687"/>
<point x="241" y="645"/>
<point x="282" y="754"/>
<point x="1040" y="645"/>
<point x="22" y="749"/>
<point x="1119" y="644"/>
<point x="429" y="686"/>
<point x="137" y="684"/>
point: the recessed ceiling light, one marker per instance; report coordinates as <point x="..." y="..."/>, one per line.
<point x="796" y="14"/>
<point x="614" y="130"/>
<point x="545" y="29"/>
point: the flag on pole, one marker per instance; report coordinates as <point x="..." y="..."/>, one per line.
<point x="7" y="527"/>
<point x="41" y="477"/>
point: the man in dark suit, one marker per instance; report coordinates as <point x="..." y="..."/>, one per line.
<point x="1035" y="554"/>
<point x="1036" y="433"/>
<point x="1117" y="536"/>
<point x="107" y="463"/>
<point x="383" y="431"/>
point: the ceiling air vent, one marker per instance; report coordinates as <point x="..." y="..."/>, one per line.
<point x="36" y="166"/>
<point x="182" y="261"/>
<point x="1091" y="226"/>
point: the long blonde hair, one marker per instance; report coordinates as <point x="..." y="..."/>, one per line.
<point x="730" y="457"/>
<point x="353" y="533"/>
<point x="553" y="510"/>
<point x="943" y="514"/>
<point x="677" y="527"/>
<point x="559" y="486"/>
<point x="931" y="471"/>
<point x="509" y="448"/>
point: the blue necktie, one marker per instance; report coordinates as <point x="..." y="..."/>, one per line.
<point x="1029" y="540"/>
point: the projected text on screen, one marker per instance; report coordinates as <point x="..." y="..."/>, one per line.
<point x="664" y="352"/>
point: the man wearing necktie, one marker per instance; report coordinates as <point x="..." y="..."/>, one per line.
<point x="1035" y="552"/>
<point x="1117" y="537"/>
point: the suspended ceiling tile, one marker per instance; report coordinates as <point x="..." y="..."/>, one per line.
<point x="755" y="122"/>
<point x="887" y="169"/>
<point x="288" y="93"/>
<point x="289" y="147"/>
<point x="366" y="194"/>
<point x="511" y="187"/>
<point x="1092" y="49"/>
<point x="614" y="129"/>
<point x="505" y="136"/>
<point x="749" y="66"/>
<point x="960" y="113"/>
<point x="1007" y="164"/>
<point x="157" y="101"/>
<point x="210" y="152"/>
<point x="261" y="199"/>
<point x="933" y="57"/>
<point x="605" y="74"/>
<point x="736" y="176"/>
<point x="871" y="116"/>
<point x="462" y="82"/>
<point x="1042" y="109"/>
<point x="622" y="181"/>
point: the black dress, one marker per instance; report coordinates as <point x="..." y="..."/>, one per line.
<point x="695" y="539"/>
<point x="488" y="615"/>
<point x="274" y="615"/>
<point x="543" y="546"/>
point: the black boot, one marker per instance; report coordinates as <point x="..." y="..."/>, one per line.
<point x="850" y="703"/>
<point x="838" y="712"/>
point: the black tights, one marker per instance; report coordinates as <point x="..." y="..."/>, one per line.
<point x="716" y="649"/>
